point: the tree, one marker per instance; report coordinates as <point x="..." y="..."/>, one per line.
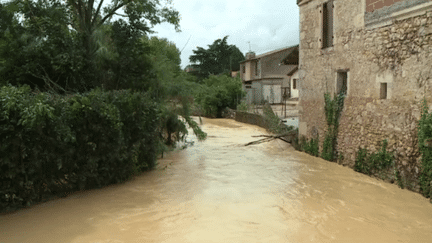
<point x="165" y="57"/>
<point x="87" y="18"/>
<point x="173" y="90"/>
<point x="61" y="40"/>
<point x="218" y="58"/>
<point x="218" y="93"/>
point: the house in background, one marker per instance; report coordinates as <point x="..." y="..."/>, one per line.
<point x="293" y="79"/>
<point x="377" y="53"/>
<point x="192" y="70"/>
<point x="265" y="77"/>
<point x="234" y="73"/>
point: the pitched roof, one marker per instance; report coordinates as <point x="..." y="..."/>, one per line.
<point x="293" y="57"/>
<point x="288" y="49"/>
<point x="290" y="73"/>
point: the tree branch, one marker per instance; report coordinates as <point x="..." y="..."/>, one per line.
<point x="80" y="14"/>
<point x="97" y="12"/>
<point x="123" y="15"/>
<point x="110" y="14"/>
<point x="89" y="12"/>
<point x="48" y="80"/>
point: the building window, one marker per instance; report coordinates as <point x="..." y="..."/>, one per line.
<point x="327" y="24"/>
<point x="294" y="84"/>
<point x="248" y="87"/>
<point x="342" y="83"/>
<point x="243" y="68"/>
<point x="256" y="68"/>
<point x="383" y="91"/>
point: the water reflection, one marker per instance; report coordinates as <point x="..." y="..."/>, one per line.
<point x="221" y="191"/>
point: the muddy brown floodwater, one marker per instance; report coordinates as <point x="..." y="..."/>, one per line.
<point x="221" y="191"/>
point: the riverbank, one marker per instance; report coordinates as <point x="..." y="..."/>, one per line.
<point x="390" y="175"/>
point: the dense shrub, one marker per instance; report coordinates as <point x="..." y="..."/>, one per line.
<point x="51" y="143"/>
<point x="425" y="145"/>
<point x="309" y="146"/>
<point x="218" y="93"/>
<point x="374" y="163"/>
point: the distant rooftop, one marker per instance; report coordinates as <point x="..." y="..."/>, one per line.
<point x="290" y="50"/>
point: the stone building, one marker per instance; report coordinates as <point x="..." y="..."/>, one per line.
<point x="265" y="76"/>
<point x="379" y="54"/>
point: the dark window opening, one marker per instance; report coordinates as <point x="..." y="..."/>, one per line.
<point x="256" y="68"/>
<point x="286" y="93"/>
<point x="327" y="32"/>
<point x="294" y="84"/>
<point x="383" y="91"/>
<point x="342" y="83"/>
<point x="248" y="87"/>
<point x="244" y="69"/>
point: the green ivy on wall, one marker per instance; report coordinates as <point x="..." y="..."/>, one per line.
<point x="374" y="163"/>
<point x="425" y="147"/>
<point x="333" y="109"/>
<point x="308" y="146"/>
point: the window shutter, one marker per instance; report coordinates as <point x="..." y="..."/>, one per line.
<point x="330" y="8"/>
<point x="321" y="26"/>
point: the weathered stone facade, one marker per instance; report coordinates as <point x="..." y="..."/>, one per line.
<point x="390" y="46"/>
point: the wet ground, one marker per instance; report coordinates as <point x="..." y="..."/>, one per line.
<point x="221" y="191"/>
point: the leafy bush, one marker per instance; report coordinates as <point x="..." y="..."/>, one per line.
<point x="51" y="143"/>
<point x="425" y="146"/>
<point x="328" y="148"/>
<point x="373" y="163"/>
<point x="309" y="146"/>
<point x="361" y="164"/>
<point x="243" y="106"/>
<point x="218" y="93"/>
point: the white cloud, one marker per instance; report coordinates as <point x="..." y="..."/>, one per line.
<point x="268" y="25"/>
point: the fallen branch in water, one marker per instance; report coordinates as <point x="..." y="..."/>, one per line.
<point x="260" y="141"/>
<point x="286" y="137"/>
<point x="276" y="136"/>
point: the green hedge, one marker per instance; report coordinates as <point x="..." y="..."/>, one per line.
<point x="51" y="144"/>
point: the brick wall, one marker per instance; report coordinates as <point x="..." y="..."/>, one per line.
<point x="372" y="5"/>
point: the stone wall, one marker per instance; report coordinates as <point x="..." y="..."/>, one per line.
<point x="399" y="54"/>
<point x="251" y="118"/>
<point x="258" y="119"/>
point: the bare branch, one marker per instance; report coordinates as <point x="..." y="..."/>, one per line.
<point x="48" y="80"/>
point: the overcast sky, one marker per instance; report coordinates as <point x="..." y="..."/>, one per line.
<point x="268" y="25"/>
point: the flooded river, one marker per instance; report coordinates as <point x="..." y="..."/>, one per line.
<point x="221" y="191"/>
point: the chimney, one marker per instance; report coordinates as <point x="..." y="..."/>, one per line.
<point x="250" y="55"/>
